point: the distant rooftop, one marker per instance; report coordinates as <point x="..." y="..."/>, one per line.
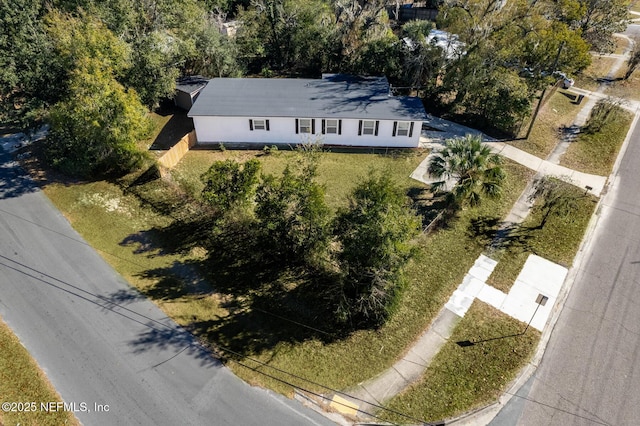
<point x="335" y="95"/>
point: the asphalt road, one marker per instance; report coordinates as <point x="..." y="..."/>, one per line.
<point x="99" y="342"/>
<point x="633" y="30"/>
<point x="590" y="372"/>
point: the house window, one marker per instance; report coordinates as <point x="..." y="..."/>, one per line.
<point x="368" y="127"/>
<point x="305" y="125"/>
<point x="259" y="124"/>
<point x="403" y="128"/>
<point x="333" y="127"/>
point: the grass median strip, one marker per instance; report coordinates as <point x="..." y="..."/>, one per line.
<point x="559" y="111"/>
<point x="595" y="153"/>
<point x="485" y="353"/>
<point x="600" y="66"/>
<point x="557" y="238"/>
<point x="23" y="383"/>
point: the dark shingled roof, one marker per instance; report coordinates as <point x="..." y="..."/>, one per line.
<point x="191" y="83"/>
<point x="335" y="95"/>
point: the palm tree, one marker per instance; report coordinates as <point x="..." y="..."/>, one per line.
<point x="476" y="170"/>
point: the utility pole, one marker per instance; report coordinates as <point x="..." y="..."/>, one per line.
<point x="535" y="113"/>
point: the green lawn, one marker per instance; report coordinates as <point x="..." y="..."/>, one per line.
<point x="339" y="172"/>
<point x="596" y="153"/>
<point x="21" y="380"/>
<point x="560" y="110"/>
<point x="558" y="240"/>
<point x="443" y="259"/>
<point x="127" y="230"/>
<point x="599" y="68"/>
<point x="461" y="378"/>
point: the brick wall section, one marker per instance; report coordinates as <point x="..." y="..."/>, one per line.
<point x="170" y="158"/>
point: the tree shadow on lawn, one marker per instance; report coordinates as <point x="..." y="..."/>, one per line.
<point x="261" y="322"/>
<point x="434" y="209"/>
<point x="264" y="309"/>
<point x="268" y="300"/>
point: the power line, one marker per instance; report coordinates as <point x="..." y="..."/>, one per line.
<point x="223" y="348"/>
<point x="261" y="363"/>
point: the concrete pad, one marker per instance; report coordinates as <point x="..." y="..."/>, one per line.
<point x="459" y="303"/>
<point x="492" y="296"/>
<point x="420" y="171"/>
<point x="482" y="268"/>
<point x="538" y="276"/>
<point x="521" y="304"/>
<point x="471" y="285"/>
<point x="543" y="275"/>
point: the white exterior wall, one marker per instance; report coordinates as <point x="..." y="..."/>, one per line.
<point x="283" y="131"/>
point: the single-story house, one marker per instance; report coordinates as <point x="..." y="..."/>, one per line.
<point x="187" y="90"/>
<point x="335" y="110"/>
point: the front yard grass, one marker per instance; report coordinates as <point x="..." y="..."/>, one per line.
<point x="625" y="89"/>
<point x="560" y="110"/>
<point x="599" y="69"/>
<point x="127" y="232"/>
<point x="557" y="240"/>
<point x="22" y="381"/>
<point x="596" y="153"/>
<point x="338" y="172"/>
<point x="443" y="258"/>
<point x="461" y="377"/>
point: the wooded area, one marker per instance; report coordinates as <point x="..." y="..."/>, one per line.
<point x="91" y="68"/>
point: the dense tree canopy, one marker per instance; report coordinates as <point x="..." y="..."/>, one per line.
<point x="293" y="214"/>
<point x="96" y="128"/>
<point x="30" y="76"/>
<point x="508" y="50"/>
<point x="229" y="184"/>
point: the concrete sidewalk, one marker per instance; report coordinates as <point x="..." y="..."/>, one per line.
<point x="547" y="168"/>
<point x="542" y="167"/>
<point x="538" y="277"/>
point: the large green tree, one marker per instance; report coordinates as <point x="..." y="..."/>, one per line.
<point x="31" y="78"/>
<point x="293" y="214"/>
<point x="512" y="50"/>
<point x="214" y="54"/>
<point x="286" y="36"/>
<point x="475" y="170"/>
<point x="600" y="20"/>
<point x="96" y="128"/>
<point x="228" y="184"/>
<point x="375" y="234"/>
